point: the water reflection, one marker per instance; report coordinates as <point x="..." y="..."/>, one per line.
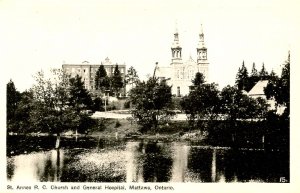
<point x="41" y="166"/>
<point x="101" y="160"/>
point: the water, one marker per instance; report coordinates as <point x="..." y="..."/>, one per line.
<point x="33" y="159"/>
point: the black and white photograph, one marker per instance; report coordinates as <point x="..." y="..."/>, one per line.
<point x="165" y="96"/>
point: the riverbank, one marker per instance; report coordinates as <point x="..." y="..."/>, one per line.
<point x="128" y="129"/>
<point x="111" y="128"/>
<point x="125" y="114"/>
<point x="219" y="133"/>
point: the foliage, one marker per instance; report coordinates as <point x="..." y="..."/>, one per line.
<point x="57" y="103"/>
<point x="199" y="79"/>
<point x="236" y="105"/>
<point x="152" y="101"/>
<point x="79" y="98"/>
<point x="241" y="80"/>
<point x="263" y="74"/>
<point x="202" y="103"/>
<point x="253" y="78"/>
<point x="254" y="71"/>
<point x="50" y="102"/>
<point x="102" y="81"/>
<point x="279" y="88"/>
<point x="22" y="115"/>
<point x="13" y="98"/>
<point x="126" y="104"/>
<point x="118" y="124"/>
<point x="117" y="81"/>
<point x="131" y="78"/>
<point x="97" y="105"/>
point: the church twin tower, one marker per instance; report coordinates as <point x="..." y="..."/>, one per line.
<point x="184" y="72"/>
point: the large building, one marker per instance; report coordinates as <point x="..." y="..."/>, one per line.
<point x="88" y="71"/>
<point x="179" y="74"/>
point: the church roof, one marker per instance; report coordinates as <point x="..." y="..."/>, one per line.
<point x="190" y="61"/>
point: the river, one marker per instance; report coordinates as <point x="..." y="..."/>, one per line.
<point x="92" y="159"/>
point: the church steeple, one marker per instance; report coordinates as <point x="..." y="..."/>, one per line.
<point x="201" y="49"/>
<point x="176" y="48"/>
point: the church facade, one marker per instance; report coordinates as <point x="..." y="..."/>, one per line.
<point x="179" y="74"/>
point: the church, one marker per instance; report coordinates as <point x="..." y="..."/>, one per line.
<point x="179" y="74"/>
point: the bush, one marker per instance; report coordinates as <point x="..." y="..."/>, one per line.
<point x="118" y="124"/>
<point x="127" y="105"/>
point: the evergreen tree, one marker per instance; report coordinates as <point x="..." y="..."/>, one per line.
<point x="117" y="81"/>
<point x="242" y="78"/>
<point x="272" y="75"/>
<point x="80" y="98"/>
<point x="263" y="74"/>
<point x="102" y="82"/>
<point x="253" y="78"/>
<point x="254" y="71"/>
<point x="279" y="88"/>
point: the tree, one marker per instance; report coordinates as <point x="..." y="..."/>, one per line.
<point x="202" y="103"/>
<point x="199" y="79"/>
<point x="131" y="78"/>
<point x="236" y="105"/>
<point x="102" y="82"/>
<point x="54" y="107"/>
<point x="279" y="88"/>
<point x="97" y="105"/>
<point x="263" y="74"/>
<point x="253" y="78"/>
<point x="242" y="81"/>
<point x="254" y="70"/>
<point x="272" y="75"/>
<point x="80" y="98"/>
<point x="13" y="98"/>
<point x="152" y="101"/>
<point x="22" y="114"/>
<point x="117" y="81"/>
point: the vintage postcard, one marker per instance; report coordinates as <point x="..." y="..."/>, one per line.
<point x="155" y="96"/>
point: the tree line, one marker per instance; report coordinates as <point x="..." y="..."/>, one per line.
<point x="153" y="101"/>
<point x="61" y="102"/>
<point x="245" y="80"/>
<point x="51" y="105"/>
<point x="115" y="83"/>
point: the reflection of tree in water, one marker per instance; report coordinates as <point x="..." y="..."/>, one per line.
<point x="200" y="163"/>
<point x="157" y="163"/>
<point x="248" y="166"/>
<point x="53" y="166"/>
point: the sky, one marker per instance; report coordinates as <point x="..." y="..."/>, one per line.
<point x="45" y="34"/>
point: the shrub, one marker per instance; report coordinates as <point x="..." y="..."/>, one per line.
<point x="118" y="124"/>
